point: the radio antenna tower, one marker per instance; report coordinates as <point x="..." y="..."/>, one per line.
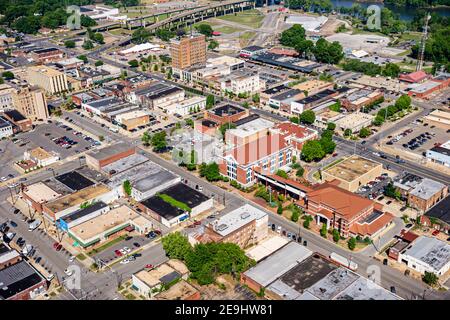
<point x="421" y="55"/>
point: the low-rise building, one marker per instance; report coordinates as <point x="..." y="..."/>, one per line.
<point x="41" y="157"/>
<point x="37" y="194"/>
<point x="350" y="214"/>
<point x="82" y="215"/>
<point x="98" y="159"/>
<point x="284" y="99"/>
<point x="152" y="181"/>
<point x="439" y="118"/>
<point x="295" y="135"/>
<point x="187" y="106"/>
<point x="226" y="113"/>
<point x="314" y="86"/>
<point x="158" y="95"/>
<point x="181" y="290"/>
<point x="241" y="82"/>
<point x="150" y="282"/>
<point x="47" y="55"/>
<point x="247" y="52"/>
<point x="420" y="193"/>
<point x="8" y="257"/>
<point x="133" y="119"/>
<point x="355" y="100"/>
<point x="6" y="97"/>
<point x="244" y="226"/>
<point x="103" y="227"/>
<point x="354" y="121"/>
<point x="311" y="101"/>
<point x="21" y="281"/>
<point x="176" y="204"/>
<point x="414" y="77"/>
<point x="440" y="154"/>
<point x="353" y="172"/>
<point x="18" y="121"/>
<point x="272" y="91"/>
<point x="427" y="254"/>
<point x="423" y="90"/>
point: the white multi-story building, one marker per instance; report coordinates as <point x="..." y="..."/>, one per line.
<point x="6" y="129"/>
<point x="187" y="106"/>
<point x="241" y="82"/>
<point x="440" y="154"/>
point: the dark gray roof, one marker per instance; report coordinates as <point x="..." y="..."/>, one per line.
<point x="17" y="278"/>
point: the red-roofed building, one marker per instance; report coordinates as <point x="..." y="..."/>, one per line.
<point x="268" y="153"/>
<point x="413" y="77"/>
<point x="284" y="52"/>
<point x="347" y="212"/>
<point x="295" y="135"/>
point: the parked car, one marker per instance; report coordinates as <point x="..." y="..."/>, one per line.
<point x="435" y="232"/>
<point x="136" y="244"/>
<point x="148" y="266"/>
<point x="151" y="235"/>
<point x="59" y="247"/>
<point x="13" y="224"/>
<point x="385" y="262"/>
<point x="118" y="253"/>
<point x="68" y="272"/>
<point x="393" y="290"/>
<point x="125" y="261"/>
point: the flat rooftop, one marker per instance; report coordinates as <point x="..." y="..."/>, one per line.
<point x="157" y="91"/>
<point x="236" y="219"/>
<point x="102" y="223"/>
<point x="352" y="168"/>
<point x="17" y="278"/>
<point x="40" y="192"/>
<point x="430" y="250"/>
<point x="77" y="198"/>
<point x="162" y="208"/>
<point x="251" y="127"/>
<point x="266" y="248"/>
<point x="160" y="274"/>
<point x="365" y="289"/>
<point x="422" y="188"/>
<point x="154" y="179"/>
<point x="125" y="163"/>
<point x="441" y="210"/>
<point x="84" y="212"/>
<point x="110" y="151"/>
<point x="277" y="264"/>
<point x="140" y="171"/>
<point x="185" y="194"/>
<point x="74" y="180"/>
<point x="354" y="119"/>
<point x="226" y="110"/>
<point x="179" y="291"/>
<point x="14" y="115"/>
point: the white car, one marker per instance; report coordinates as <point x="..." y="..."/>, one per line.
<point x="279" y="229"/>
<point x="127" y="250"/>
<point x="124" y="261"/>
<point x="68" y="272"/>
<point x="50" y="277"/>
<point x="123" y="251"/>
<point x="3" y="178"/>
<point x="72" y="258"/>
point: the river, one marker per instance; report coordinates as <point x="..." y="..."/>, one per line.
<point x="406" y="13"/>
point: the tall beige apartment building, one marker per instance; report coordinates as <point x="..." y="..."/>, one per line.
<point x="188" y="51"/>
<point x="6" y="97"/>
<point x="31" y="102"/>
<point x="51" y="80"/>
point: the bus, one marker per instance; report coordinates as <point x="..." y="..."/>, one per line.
<point x="343" y="261"/>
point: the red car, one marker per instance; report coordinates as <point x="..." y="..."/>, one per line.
<point x="158" y="232"/>
<point x="197" y="223"/>
<point x="148" y="266"/>
<point x="118" y="253"/>
<point x="55" y="245"/>
<point x="435" y="232"/>
<point x="59" y="247"/>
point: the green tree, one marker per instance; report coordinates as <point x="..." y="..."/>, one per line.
<point x="391" y="70"/>
<point x="158" y="141"/>
<point x="351" y="243"/>
<point x="176" y="246"/>
<point x="292" y="36"/>
<point x="140" y="35"/>
<point x="364" y="132"/>
<point x="391" y="191"/>
<point x="127" y="187"/>
<point x="224" y="127"/>
<point x="347" y="132"/>
<point x="83" y="58"/>
<point x="8" y="75"/>
<point x="336" y="107"/>
<point x="69" y="44"/>
<point x="87" y="21"/>
<point x="256" y="98"/>
<point x="306" y="224"/>
<point x="98" y="63"/>
<point x="133" y="63"/>
<point x="336" y="235"/>
<point x="331" y="126"/>
<point x="210" y="101"/>
<point x="210" y="171"/>
<point x="295" y="215"/>
<point x="164" y="34"/>
<point x="312" y="151"/>
<point x="403" y="102"/>
<point x="87" y="45"/>
<point x="146" y="138"/>
<point x="282" y="173"/>
<point x="327" y="52"/>
<point x="300" y="172"/>
<point x="101" y="138"/>
<point x="430" y="278"/>
<point x="308" y="117"/>
<point x="280" y="209"/>
<point x="323" y="230"/>
<point x="205" y="29"/>
<point x="213" y="44"/>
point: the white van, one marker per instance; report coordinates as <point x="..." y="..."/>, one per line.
<point x="114" y="129"/>
<point x="33" y="225"/>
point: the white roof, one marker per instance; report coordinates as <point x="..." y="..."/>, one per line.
<point x="359" y="53"/>
<point x="432" y="251"/>
<point x="141" y="47"/>
<point x="266" y="248"/>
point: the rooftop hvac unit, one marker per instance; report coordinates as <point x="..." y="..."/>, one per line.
<point x="245" y="215"/>
<point x="222" y="227"/>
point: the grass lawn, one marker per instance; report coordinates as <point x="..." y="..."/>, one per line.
<point x="227" y="29"/>
<point x="411" y="36"/>
<point x="251" y="18"/>
<point x="106" y="245"/>
<point x="120" y="31"/>
<point x="81" y="257"/>
<point x="245" y="37"/>
<point x="333" y="163"/>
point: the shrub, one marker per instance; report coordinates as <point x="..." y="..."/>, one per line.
<point x="351" y="243"/>
<point x="336" y="235"/>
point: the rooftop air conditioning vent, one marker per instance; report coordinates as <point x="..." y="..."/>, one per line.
<point x="245" y="215"/>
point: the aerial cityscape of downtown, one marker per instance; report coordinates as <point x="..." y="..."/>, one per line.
<point x="239" y="150"/>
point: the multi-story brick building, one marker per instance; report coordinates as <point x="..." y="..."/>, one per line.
<point x="421" y="193"/>
<point x="267" y="153"/>
<point x="226" y="113"/>
<point x="243" y="226"/>
<point x="31" y="102"/>
<point x="188" y="51"/>
<point x="47" y="55"/>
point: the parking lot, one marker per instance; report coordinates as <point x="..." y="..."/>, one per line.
<point x="418" y="137"/>
<point x="375" y="188"/>
<point x="47" y="135"/>
<point x="109" y="255"/>
<point x="9" y="152"/>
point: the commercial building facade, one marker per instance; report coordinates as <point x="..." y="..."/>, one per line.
<point x="51" y="80"/>
<point x="188" y="51"/>
<point x="31" y="102"/>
